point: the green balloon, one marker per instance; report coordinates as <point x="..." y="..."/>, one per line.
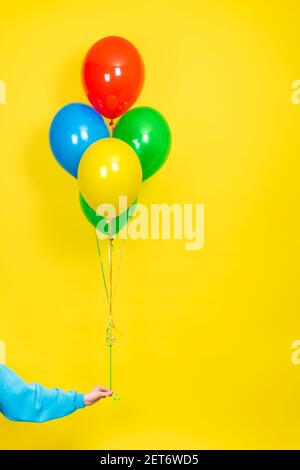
<point x="148" y="133"/>
<point x="100" y="223"/>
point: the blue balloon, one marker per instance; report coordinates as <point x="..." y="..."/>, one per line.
<point x="74" y="128"/>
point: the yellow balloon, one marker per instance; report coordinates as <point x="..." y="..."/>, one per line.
<point x="109" y="169"/>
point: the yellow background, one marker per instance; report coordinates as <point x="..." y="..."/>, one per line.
<point x="205" y="358"/>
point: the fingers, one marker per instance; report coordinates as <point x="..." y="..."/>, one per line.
<point x="105" y="394"/>
<point x="100" y="388"/>
<point x="102" y="391"/>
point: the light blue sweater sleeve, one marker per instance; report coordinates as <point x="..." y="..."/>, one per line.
<point x="33" y="402"/>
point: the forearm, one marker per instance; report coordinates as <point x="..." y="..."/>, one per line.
<point x="33" y="402"/>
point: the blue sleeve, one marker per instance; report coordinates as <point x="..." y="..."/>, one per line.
<point x="33" y="402"/>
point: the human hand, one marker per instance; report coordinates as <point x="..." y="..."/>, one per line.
<point x="96" y="394"/>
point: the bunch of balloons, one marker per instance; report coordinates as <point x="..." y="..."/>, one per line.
<point x="108" y="167"/>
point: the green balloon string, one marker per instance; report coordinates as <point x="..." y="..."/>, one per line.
<point x="102" y="268"/>
<point x="109" y="337"/>
<point x="115" y="396"/>
<point x="110" y="340"/>
<point x="110" y="367"/>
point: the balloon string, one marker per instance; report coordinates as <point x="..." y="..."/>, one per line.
<point x="110" y="339"/>
<point x="110" y="291"/>
<point x="110" y="367"/>
<point x="110" y="264"/>
<point x="116" y="283"/>
<point x="102" y="268"/>
<point x="119" y="271"/>
<point x="120" y="261"/>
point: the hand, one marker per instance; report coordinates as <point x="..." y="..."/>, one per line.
<point x="96" y="394"/>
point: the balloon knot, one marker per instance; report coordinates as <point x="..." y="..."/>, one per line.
<point x="111" y="123"/>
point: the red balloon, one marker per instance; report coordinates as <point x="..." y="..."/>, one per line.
<point x="113" y="76"/>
